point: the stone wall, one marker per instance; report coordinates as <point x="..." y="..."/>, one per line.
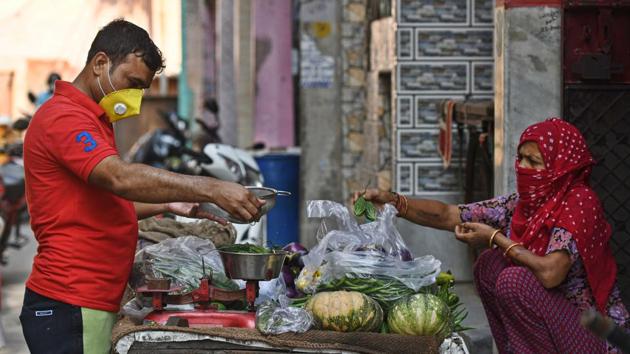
<point x="354" y="62"/>
<point x="367" y="61"/>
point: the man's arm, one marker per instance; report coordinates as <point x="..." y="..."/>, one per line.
<point x="146" y="184"/>
<point x="146" y="210"/>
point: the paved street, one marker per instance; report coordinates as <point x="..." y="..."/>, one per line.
<point x="13" y="278"/>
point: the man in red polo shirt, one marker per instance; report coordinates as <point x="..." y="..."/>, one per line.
<point x="85" y="201"/>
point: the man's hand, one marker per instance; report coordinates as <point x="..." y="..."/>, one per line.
<point x="191" y="210"/>
<point x="376" y="196"/>
<point x="237" y="200"/>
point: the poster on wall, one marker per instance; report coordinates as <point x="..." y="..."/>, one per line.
<point x="316" y="69"/>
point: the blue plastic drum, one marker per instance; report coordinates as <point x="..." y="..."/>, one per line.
<point x="282" y="172"/>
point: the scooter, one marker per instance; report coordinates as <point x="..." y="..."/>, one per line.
<point x="13" y="209"/>
<point x="166" y="148"/>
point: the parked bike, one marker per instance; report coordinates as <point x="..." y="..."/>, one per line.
<point x="13" y="209"/>
<point x="166" y="148"/>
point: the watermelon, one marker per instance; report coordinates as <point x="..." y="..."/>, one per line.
<point x="345" y="311"/>
<point x="420" y="314"/>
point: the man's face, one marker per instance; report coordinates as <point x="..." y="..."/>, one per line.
<point x="132" y="72"/>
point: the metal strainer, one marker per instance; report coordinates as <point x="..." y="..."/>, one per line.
<point x="264" y="193"/>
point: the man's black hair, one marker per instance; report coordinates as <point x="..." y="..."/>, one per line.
<point x="52" y="77"/>
<point x="121" y="38"/>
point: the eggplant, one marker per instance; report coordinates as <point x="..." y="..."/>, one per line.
<point x="296" y="251"/>
<point x="295" y="247"/>
<point x="292" y="293"/>
<point x="405" y="255"/>
<point x="288" y="276"/>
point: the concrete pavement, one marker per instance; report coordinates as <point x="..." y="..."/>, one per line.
<point x="14" y="276"/>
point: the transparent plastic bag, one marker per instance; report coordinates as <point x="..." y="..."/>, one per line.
<point x="182" y="260"/>
<point x="276" y="316"/>
<point x="374" y="249"/>
<point x="136" y="310"/>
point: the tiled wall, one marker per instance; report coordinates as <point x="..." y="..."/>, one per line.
<point x="444" y="51"/>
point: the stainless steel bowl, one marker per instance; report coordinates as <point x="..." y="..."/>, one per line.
<point x="253" y="266"/>
<point x="264" y="193"/>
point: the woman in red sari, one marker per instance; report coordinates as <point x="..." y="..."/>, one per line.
<point x="549" y="257"/>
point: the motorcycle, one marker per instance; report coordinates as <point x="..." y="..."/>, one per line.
<point x="13" y="209"/>
<point x="166" y="149"/>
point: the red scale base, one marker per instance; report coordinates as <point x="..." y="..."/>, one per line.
<point x="204" y="314"/>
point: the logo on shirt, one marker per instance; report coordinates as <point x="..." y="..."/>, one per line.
<point x="86" y="138"/>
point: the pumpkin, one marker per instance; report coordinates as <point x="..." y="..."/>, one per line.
<point x="345" y="311"/>
<point x="420" y="314"/>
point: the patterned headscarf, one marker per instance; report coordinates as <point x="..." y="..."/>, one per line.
<point x="560" y="196"/>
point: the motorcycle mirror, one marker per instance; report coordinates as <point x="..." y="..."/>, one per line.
<point x="31" y="97"/>
<point x="172" y="121"/>
<point x="205" y="126"/>
<point x="212" y="105"/>
<point x="20" y="124"/>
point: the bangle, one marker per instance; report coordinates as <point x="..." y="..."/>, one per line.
<point x="405" y="206"/>
<point x="510" y="247"/>
<point x="492" y="237"/>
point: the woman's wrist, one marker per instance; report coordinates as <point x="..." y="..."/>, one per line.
<point x="401" y="203"/>
<point x="492" y="236"/>
<point x="509" y="248"/>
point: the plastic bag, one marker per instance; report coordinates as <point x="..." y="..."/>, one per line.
<point x="372" y="250"/>
<point x="276" y="316"/>
<point x="136" y="310"/>
<point x="183" y="260"/>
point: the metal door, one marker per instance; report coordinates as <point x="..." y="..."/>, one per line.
<point x="596" y="66"/>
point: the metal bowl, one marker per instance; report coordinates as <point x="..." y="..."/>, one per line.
<point x="264" y="193"/>
<point x="253" y="266"/>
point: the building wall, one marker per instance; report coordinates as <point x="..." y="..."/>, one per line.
<point x="60" y="33"/>
<point x="274" y="116"/>
<point x="528" y="79"/>
<point x="319" y="107"/>
<point x="444" y="51"/>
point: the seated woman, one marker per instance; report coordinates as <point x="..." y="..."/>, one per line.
<point x="549" y="257"/>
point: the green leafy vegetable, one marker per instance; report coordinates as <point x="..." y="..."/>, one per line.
<point x="444" y="290"/>
<point x="365" y="207"/>
<point x="385" y="290"/>
<point x="245" y="248"/>
<point x="360" y="206"/>
<point x="370" y="211"/>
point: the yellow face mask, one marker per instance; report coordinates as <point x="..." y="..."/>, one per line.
<point x="120" y="104"/>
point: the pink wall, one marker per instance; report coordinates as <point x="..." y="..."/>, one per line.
<point x="274" y="116"/>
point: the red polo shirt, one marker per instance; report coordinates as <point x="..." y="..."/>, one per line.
<point x="87" y="235"/>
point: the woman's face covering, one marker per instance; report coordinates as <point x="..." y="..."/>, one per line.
<point x="529" y="156"/>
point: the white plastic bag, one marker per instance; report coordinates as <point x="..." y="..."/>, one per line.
<point x="275" y="315"/>
<point x="184" y="260"/>
<point x="348" y="249"/>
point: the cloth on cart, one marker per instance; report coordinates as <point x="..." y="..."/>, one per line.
<point x="355" y="342"/>
<point x="160" y="229"/>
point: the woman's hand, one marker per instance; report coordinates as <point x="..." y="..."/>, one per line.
<point x="191" y="210"/>
<point x="376" y="196"/>
<point x="474" y="234"/>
